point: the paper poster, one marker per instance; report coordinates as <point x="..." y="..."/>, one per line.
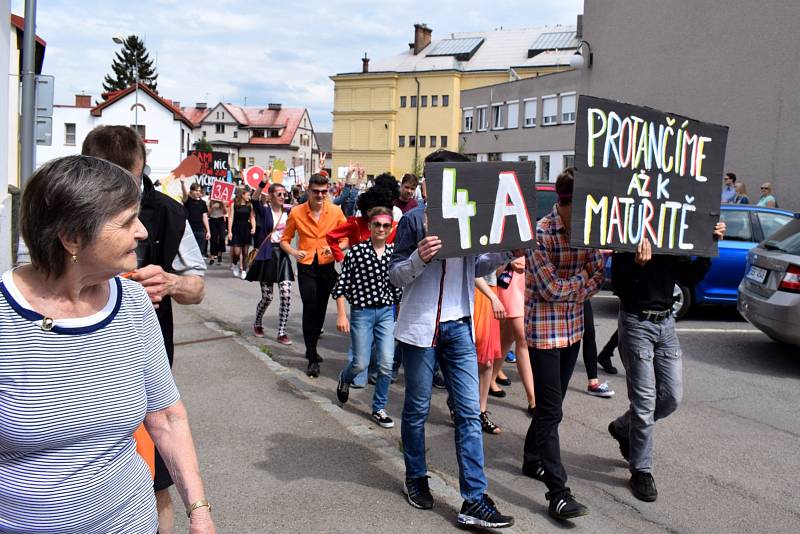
<point x="223" y="191"/>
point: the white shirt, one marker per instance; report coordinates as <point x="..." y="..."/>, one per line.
<point x="454" y="307"/>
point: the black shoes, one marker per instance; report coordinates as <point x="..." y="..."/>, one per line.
<point x="604" y="359"/>
<point x="533" y="470"/>
<point x="313" y="370"/>
<point x="643" y="486"/>
<point x="503" y="381"/>
<point x="438" y="380"/>
<point x="342" y="390"/>
<point x="487" y="425"/>
<point x="500" y="393"/>
<point x="624" y="442"/>
<point x="564" y="506"/>
<point x="484" y="514"/>
<point x="418" y="493"/>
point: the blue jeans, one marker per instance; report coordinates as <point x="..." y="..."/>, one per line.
<point x="368" y="325"/>
<point x="455" y="352"/>
<point x="651" y="355"/>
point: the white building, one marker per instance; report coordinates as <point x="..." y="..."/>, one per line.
<point x="167" y="133"/>
<point x="5" y="105"/>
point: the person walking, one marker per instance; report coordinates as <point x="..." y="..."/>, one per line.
<point x="594" y="388"/>
<point x="728" y="188"/>
<point x="196" y="214"/>
<point x="312" y="221"/>
<point x="364" y="283"/>
<point x="241" y="227"/>
<point x="741" y="194"/>
<point x="216" y="223"/>
<point x="488" y="312"/>
<point x="408" y="189"/>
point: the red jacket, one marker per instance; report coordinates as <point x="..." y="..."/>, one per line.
<point x="355" y="230"/>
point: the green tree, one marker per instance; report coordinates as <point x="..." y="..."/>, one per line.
<point x="202" y="145"/>
<point x="133" y="55"/>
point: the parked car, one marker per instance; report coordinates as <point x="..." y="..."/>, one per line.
<point x="769" y="294"/>
<point x="747" y="225"/>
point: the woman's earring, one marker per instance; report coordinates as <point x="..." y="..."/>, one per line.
<point x="74" y="258"/>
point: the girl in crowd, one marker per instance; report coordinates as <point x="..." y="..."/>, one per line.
<point x="488" y="312"/>
<point x="216" y="223"/>
<point x="241" y="227"/>
<point x="272" y="265"/>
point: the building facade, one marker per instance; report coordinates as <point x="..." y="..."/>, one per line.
<point x="525" y="120"/>
<point x="397" y="110"/>
<point x="731" y="63"/>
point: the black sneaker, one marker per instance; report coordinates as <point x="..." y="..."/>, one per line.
<point x="643" y="486"/>
<point x="564" y="506"/>
<point x="313" y="370"/>
<point x="604" y="359"/>
<point x="418" y="493"/>
<point x="483" y="513"/>
<point x="438" y="380"/>
<point x="533" y="470"/>
<point x="342" y="390"/>
<point x="624" y="442"/>
<point x="383" y="419"/>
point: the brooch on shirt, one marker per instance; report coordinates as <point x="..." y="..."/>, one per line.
<point x="47" y="324"/>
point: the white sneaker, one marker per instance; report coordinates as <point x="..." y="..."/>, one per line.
<point x="236" y="271"/>
<point x="244" y="275"/>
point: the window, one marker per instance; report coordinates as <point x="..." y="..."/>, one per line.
<point x="413" y="101"/>
<point x="402" y="101"/>
<point x="251" y="162"/>
<point x="273" y="133"/>
<point x="412" y="140"/>
<point x="493" y="156"/>
<point x="549" y="110"/>
<point x="401" y="142"/>
<point x="522" y="158"/>
<point x="183" y="147"/>
<point x="258" y="133"/>
<point x="235" y="134"/>
<point x="545" y="166"/>
<point x="204" y="133"/>
<point x="220" y="128"/>
<point x="568" y="107"/>
<point x="482" y="119"/>
<point x="445" y="100"/>
<point x="140" y="129"/>
<point x="434" y="100"/>
<point x="69" y="134"/>
<point x="530" y="113"/>
<point x="512" y="120"/>
<point x="423" y="101"/>
<point x="433" y="141"/>
<point x="443" y="143"/>
<point x="497" y="116"/>
<point x="771" y="222"/>
<point x="738" y="225"/>
<point x="569" y="161"/>
<point x="422" y="140"/>
<point x="467" y="122"/>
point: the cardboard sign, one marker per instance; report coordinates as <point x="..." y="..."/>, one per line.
<point x="481" y="207"/>
<point x="642" y="173"/>
<point x="223" y="191"/>
<point x="213" y="166"/>
<point x="253" y="176"/>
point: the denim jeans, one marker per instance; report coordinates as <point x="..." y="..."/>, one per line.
<point x="455" y="352"/>
<point x="368" y="325"/>
<point x="651" y="355"/>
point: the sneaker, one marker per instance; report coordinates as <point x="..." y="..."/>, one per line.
<point x="244" y="275"/>
<point x="600" y="390"/>
<point x="383" y="419"/>
<point x="511" y="357"/>
<point x="624" y="442"/>
<point x="313" y="369"/>
<point x="604" y="360"/>
<point x="534" y="470"/>
<point x="484" y="514"/>
<point x="258" y="330"/>
<point x="418" y="493"/>
<point x="438" y="380"/>
<point x="236" y="271"/>
<point x="322" y="332"/>
<point x="643" y="486"/>
<point x="564" y="506"/>
<point x="342" y="390"/>
<point x="211" y="261"/>
<point x="284" y="340"/>
<point x="372" y="380"/>
<point x="488" y="426"/>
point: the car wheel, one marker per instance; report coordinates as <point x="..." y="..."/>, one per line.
<point x="683" y="301"/>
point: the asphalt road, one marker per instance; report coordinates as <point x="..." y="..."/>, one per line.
<point x="726" y="461"/>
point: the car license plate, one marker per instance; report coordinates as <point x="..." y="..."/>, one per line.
<point x="757" y="274"/>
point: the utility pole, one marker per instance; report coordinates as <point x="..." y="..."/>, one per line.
<point x="28" y="119"/>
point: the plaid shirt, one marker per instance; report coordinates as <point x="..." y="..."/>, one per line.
<point x="554" y="288"/>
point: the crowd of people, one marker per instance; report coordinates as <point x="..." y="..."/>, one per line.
<point x="735" y="192"/>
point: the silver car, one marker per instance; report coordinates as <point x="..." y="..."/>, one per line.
<point x="769" y="294"/>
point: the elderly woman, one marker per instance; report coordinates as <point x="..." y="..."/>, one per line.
<point x="83" y="364"/>
<point x="767" y="199"/>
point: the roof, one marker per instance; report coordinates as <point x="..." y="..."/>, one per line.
<point x="114" y="96"/>
<point x="324" y="141"/>
<point x="287" y="119"/>
<point x="19" y="23"/>
<point x="498" y="50"/>
<point x="195" y="115"/>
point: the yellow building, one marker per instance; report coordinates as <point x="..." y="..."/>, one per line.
<point x="393" y="113"/>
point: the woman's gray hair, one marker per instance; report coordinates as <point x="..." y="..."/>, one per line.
<point x="71" y="197"/>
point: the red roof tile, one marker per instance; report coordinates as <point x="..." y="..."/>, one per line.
<point x="19" y="23"/>
<point x="113" y="96"/>
<point x="195" y="115"/>
<point x="286" y="118"/>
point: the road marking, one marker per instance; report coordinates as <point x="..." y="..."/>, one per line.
<point x="724" y="330"/>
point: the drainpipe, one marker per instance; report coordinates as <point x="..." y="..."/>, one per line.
<point x="416" y="131"/>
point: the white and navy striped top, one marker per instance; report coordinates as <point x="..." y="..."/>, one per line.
<point x="70" y="399"/>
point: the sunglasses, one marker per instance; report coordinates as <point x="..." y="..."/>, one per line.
<point x="318" y="191"/>
<point x="765" y="188"/>
<point x="381" y="226"/>
<point x="280" y="193"/>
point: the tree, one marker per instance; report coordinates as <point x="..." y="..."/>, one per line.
<point x="132" y="55"/>
<point x="202" y="145"/>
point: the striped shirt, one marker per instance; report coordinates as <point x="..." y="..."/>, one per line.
<point x="70" y="399"/>
<point x="554" y="288"/>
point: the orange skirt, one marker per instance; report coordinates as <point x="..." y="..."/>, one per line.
<point x="146" y="448"/>
<point x="487" y="330"/>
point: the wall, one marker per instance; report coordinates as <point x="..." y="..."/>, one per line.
<point x="732" y="63"/>
<point x="7" y="144"/>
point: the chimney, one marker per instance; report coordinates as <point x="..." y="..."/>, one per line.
<point x="83" y="101"/>
<point x="579" y="28"/>
<point x="365" y="63"/>
<point x="274" y="107"/>
<point x="422" y="37"/>
<point x="200" y="105"/>
<point x="176" y="104"/>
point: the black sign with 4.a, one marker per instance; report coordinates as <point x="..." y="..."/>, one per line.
<point x="481" y="207"/>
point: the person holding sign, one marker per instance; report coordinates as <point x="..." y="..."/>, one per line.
<point x="649" y="349"/>
<point x="560" y="279"/>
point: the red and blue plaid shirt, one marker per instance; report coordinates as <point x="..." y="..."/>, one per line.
<point x="555" y="289"/>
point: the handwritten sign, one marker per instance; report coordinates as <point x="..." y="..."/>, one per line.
<point x="223" y="191"/>
<point x="642" y="173"/>
<point x="481" y="207"/>
<point x="213" y="166"/>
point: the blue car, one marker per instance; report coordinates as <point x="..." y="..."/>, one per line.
<point x="747" y="225"/>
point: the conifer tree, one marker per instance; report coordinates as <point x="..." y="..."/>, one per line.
<point x="125" y="63"/>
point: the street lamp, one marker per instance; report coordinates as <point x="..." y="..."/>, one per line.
<point x="119" y="41"/>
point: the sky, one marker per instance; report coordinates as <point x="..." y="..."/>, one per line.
<point x="262" y="51"/>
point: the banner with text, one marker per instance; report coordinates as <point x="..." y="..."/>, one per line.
<point x="223" y="191"/>
<point x="642" y="173"/>
<point x="481" y="207"/>
<point x="213" y="166"/>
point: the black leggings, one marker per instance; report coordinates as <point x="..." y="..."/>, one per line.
<point x="316" y="283"/>
<point x="217" y="227"/>
<point x="589" y="341"/>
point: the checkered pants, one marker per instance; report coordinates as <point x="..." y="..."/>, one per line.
<point x="285" y="290"/>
